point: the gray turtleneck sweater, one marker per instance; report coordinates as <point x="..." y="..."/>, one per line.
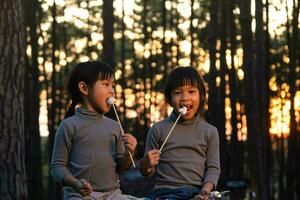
<point x="88" y="145"/>
<point x="190" y="156"/>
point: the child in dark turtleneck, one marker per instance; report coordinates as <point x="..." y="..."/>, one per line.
<point x="89" y="149"/>
<point x="188" y="165"/>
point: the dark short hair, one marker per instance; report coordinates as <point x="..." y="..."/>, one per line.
<point x="182" y="76"/>
<point x="88" y="72"/>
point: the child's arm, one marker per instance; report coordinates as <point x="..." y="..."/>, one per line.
<point x="61" y="151"/>
<point x="213" y="170"/>
<point x="149" y="161"/>
<point x="130" y="144"/>
<point x="60" y="156"/>
<point x="205" y="192"/>
<point x="81" y="186"/>
<point x="152" y="155"/>
<point x="212" y="166"/>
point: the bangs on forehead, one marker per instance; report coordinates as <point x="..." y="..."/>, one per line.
<point x="106" y="75"/>
<point x="184" y="79"/>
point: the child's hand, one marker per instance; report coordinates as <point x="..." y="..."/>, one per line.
<point x="203" y="195"/>
<point x="151" y="159"/>
<point x="83" y="187"/>
<point x="129" y="142"/>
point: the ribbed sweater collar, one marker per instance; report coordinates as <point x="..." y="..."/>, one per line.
<point x="173" y="116"/>
<point x="86" y="113"/>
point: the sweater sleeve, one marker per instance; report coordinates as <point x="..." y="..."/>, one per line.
<point x="120" y="149"/>
<point x="61" y="150"/>
<point x="152" y="140"/>
<point x="212" y="165"/>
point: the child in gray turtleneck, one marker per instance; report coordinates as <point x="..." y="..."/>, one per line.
<point x="89" y="148"/>
<point x="188" y="165"/>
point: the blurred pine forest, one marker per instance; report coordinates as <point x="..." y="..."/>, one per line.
<point x="247" y="51"/>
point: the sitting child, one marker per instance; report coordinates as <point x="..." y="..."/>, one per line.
<point x="188" y="166"/>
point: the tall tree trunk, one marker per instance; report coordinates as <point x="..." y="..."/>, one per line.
<point x="212" y="40"/>
<point x="32" y="91"/>
<point x="261" y="103"/>
<point x="146" y="65"/>
<point x="192" y="32"/>
<point x="108" y="53"/>
<point x="292" y="40"/>
<point x="176" y="17"/>
<point x="250" y="88"/>
<point x="52" y="186"/>
<point x="89" y="30"/>
<point x="221" y="105"/>
<point x="12" y="68"/>
<point x="267" y="94"/>
<point x="236" y="147"/>
<point x="164" y="44"/>
<point x="123" y="57"/>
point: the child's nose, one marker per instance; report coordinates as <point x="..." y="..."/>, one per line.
<point x="184" y="96"/>
<point x="112" y="91"/>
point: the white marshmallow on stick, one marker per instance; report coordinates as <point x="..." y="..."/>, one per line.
<point x="112" y="101"/>
<point x="182" y="111"/>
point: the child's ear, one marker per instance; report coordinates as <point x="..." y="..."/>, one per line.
<point x="83" y="88"/>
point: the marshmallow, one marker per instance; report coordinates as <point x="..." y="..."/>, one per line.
<point x="111" y="100"/>
<point x="215" y="195"/>
<point x="183" y="110"/>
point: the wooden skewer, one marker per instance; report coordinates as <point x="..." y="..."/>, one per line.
<point x="182" y="111"/>
<point x="112" y="102"/>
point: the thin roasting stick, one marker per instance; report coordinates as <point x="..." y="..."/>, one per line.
<point x="90" y="169"/>
<point x="182" y="111"/>
<point x="83" y="181"/>
<point x="112" y="102"/>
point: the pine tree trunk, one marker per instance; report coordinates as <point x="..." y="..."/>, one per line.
<point x="250" y="88"/>
<point x="212" y="39"/>
<point x="12" y="69"/>
<point x="221" y="105"/>
<point x="192" y="32"/>
<point x="267" y="94"/>
<point x="145" y="61"/>
<point x="108" y="54"/>
<point x="261" y="103"/>
<point x="236" y="150"/>
<point x="32" y="91"/>
<point x="52" y="186"/>
<point x="292" y="158"/>
<point x="123" y="57"/>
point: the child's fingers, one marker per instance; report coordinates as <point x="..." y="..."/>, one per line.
<point x="129" y="142"/>
<point x="154" y="157"/>
<point x="130" y="147"/>
<point x="86" y="189"/>
<point x="128" y="137"/>
<point x="154" y="161"/>
<point x="154" y="152"/>
<point x="86" y="186"/>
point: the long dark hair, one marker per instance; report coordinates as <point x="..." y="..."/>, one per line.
<point x="87" y="72"/>
<point x="182" y="76"/>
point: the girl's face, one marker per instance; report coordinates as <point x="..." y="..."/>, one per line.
<point x="187" y="96"/>
<point x="98" y="94"/>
